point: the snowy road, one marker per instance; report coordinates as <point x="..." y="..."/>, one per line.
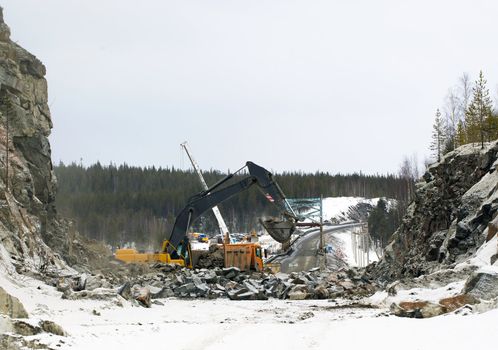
<point x="304" y="255"/>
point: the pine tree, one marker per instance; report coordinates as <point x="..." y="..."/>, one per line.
<point x="478" y="112"/>
<point x="492" y="127"/>
<point x="490" y="124"/>
<point x="437" y="136"/>
<point x="460" y="134"/>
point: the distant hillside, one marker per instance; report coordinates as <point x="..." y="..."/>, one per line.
<point x="123" y="203"/>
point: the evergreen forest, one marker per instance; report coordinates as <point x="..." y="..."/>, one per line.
<point x="123" y="204"/>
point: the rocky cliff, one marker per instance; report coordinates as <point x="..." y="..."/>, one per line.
<point x="447" y="222"/>
<point x="30" y="231"/>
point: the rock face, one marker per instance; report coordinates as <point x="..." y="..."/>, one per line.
<point x="30" y="230"/>
<point x="11" y="306"/>
<point x="482" y="285"/>
<point x="27" y="182"/>
<point x="446" y="222"/>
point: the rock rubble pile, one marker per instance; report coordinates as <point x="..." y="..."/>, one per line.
<point x="172" y="281"/>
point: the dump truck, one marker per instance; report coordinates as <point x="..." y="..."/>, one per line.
<point x="245" y="256"/>
<point x="176" y="248"/>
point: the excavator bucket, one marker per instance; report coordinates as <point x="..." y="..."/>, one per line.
<point x="280" y="230"/>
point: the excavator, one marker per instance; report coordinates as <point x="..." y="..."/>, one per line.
<point x="176" y="249"/>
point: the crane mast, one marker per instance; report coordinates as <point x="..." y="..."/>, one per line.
<point x="221" y="223"/>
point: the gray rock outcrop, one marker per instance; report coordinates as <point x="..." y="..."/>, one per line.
<point x="454" y="203"/>
<point x="27" y="182"/>
<point x="31" y="233"/>
<point x="11" y="306"/>
<point x="482" y="286"/>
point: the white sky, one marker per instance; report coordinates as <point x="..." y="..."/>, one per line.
<point x="337" y="86"/>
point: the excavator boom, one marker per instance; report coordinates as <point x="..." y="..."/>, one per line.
<point x="177" y="244"/>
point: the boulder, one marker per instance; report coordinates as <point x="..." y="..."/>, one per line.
<point x="299" y="280"/>
<point x="492" y="229"/>
<point x="230" y="272"/>
<point x="306" y="315"/>
<point x="96" y="294"/>
<point x="346" y="284"/>
<point x="241" y="294"/>
<point x="80" y="283"/>
<point x="52" y="327"/>
<point x="166" y="268"/>
<point x="201" y="288"/>
<point x="211" y="277"/>
<point x="284" y="289"/>
<point x="155" y="292"/>
<point x="493" y="259"/>
<point x="11" y="306"/>
<point x="298" y="292"/>
<point x="482" y="286"/>
<point x="321" y="292"/>
<point x="141" y="294"/>
<point x="417" y="309"/>
<point x="94" y="282"/>
<point x="125" y="291"/>
<point x="63" y="285"/>
<point x="463" y="230"/>
<point x="25" y="328"/>
<point x="185" y="289"/>
<point x="165" y="292"/>
<point x="453" y="303"/>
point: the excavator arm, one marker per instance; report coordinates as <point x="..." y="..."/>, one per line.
<point x="178" y="245"/>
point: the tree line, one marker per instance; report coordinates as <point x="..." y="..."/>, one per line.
<point x="468" y="117"/>
<point x="121" y="204"/>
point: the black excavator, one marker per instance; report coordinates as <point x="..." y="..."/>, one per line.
<point x="176" y="249"/>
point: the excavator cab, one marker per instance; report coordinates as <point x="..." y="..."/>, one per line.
<point x="181" y="254"/>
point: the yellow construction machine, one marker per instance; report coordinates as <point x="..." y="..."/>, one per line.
<point x="176" y="249"/>
<point x="130" y="255"/>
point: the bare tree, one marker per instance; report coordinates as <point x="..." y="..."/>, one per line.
<point x="464" y="91"/>
<point x="408" y="171"/>
<point x="415" y="166"/>
<point x="427" y="162"/>
<point x="452" y="117"/>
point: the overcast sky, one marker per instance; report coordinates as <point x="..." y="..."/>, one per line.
<point x="336" y="86"/>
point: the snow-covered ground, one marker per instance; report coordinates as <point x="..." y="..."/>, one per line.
<point x="342" y="246"/>
<point x="335" y="209"/>
<point x="224" y="324"/>
<point x="278" y="324"/>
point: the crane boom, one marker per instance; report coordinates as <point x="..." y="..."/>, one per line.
<point x="221" y="223"/>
